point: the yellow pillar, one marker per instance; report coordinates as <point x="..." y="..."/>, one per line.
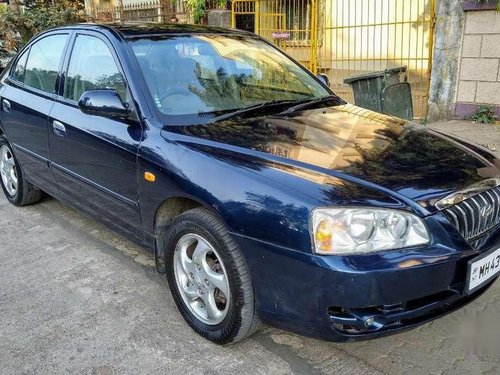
<point x="313" y="64"/>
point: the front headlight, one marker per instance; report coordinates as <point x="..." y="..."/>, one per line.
<point x="340" y="231"/>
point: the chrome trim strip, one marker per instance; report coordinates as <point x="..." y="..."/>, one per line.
<point x="465" y="221"/>
<point x="469" y="192"/>
<point x="472" y="216"/>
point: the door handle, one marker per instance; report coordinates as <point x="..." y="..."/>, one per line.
<point x="6" y="105"/>
<point x="58" y="128"/>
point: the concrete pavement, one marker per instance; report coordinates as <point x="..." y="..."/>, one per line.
<point x="77" y="298"/>
<point x="487" y="135"/>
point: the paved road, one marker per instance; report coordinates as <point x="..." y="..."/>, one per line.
<point x="78" y="298"/>
<point x="486" y="135"/>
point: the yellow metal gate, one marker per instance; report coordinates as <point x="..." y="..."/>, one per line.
<point x="290" y="24"/>
<point x="343" y="38"/>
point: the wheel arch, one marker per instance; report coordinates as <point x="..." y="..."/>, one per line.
<point x="170" y="208"/>
<point x="165" y="214"/>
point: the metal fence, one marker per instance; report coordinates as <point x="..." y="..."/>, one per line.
<point x="343" y="38"/>
<point x="148" y="11"/>
<point x="151" y="11"/>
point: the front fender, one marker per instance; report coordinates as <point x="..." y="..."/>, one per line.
<point x="255" y="198"/>
<point x="248" y="202"/>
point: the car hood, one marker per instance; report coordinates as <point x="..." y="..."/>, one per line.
<point x="346" y="140"/>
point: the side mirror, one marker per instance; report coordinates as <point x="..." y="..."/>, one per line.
<point x="324" y="78"/>
<point x="106" y="103"/>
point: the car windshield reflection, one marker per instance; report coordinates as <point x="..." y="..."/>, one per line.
<point x="214" y="74"/>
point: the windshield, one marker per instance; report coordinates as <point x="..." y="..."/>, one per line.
<point x="210" y="74"/>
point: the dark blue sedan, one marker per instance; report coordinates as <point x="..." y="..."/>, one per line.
<point x="263" y="195"/>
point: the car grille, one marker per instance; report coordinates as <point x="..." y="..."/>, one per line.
<point x="476" y="215"/>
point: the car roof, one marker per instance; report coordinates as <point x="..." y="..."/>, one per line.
<point x="135" y="29"/>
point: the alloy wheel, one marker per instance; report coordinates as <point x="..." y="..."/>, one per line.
<point x="8" y="170"/>
<point x="201" y="279"/>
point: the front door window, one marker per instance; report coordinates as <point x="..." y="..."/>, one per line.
<point x="92" y="67"/>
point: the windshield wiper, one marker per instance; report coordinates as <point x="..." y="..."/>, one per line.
<point x="241" y="111"/>
<point x="309" y="103"/>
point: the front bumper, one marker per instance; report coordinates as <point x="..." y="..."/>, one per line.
<point x="356" y="324"/>
<point x="354" y="298"/>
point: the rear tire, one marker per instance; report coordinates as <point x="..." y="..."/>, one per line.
<point x="17" y="190"/>
<point x="197" y="240"/>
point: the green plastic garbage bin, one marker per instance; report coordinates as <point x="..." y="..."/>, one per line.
<point x="383" y="92"/>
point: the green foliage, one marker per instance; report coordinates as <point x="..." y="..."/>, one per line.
<point x="485" y="114"/>
<point x="198" y="8"/>
<point x="223" y="3"/>
<point x="17" y="28"/>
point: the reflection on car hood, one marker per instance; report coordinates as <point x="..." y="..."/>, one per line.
<point x="390" y="152"/>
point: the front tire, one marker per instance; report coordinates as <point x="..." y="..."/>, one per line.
<point x="17" y="190"/>
<point x="209" y="278"/>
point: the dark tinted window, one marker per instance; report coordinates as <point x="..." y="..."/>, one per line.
<point x="20" y="65"/>
<point x="43" y="62"/>
<point x="92" y="67"/>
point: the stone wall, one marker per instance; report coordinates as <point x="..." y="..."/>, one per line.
<point x="479" y="77"/>
<point x="219" y="18"/>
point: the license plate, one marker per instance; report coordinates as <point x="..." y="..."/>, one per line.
<point x="482" y="268"/>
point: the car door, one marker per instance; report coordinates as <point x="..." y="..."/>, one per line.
<point x="94" y="158"/>
<point x="26" y="102"/>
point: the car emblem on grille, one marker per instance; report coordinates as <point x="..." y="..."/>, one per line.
<point x="486" y="211"/>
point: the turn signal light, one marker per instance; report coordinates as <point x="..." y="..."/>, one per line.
<point x="324" y="235"/>
<point x="148" y="176"/>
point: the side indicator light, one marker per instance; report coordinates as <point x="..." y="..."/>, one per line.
<point x="148" y="176"/>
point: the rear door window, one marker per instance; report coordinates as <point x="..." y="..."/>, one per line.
<point x="44" y="60"/>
